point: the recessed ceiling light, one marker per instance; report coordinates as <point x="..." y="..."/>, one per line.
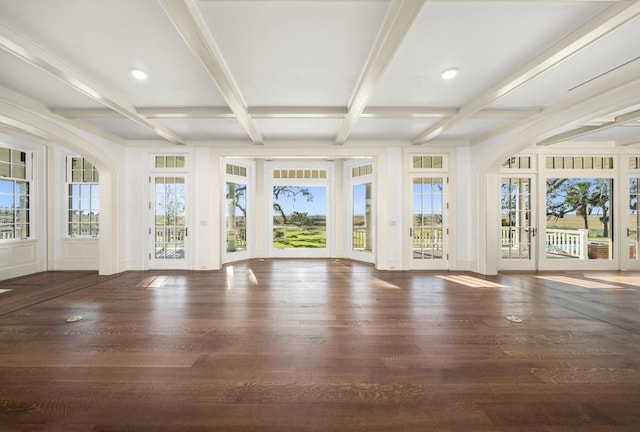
<point x="449" y="74"/>
<point x="138" y="74"/>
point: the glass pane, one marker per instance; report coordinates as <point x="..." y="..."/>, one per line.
<point x="6" y="231"/>
<point x="19" y="171"/>
<point x="236" y="217"/>
<point x="634" y="220"/>
<point x="5" y="169"/>
<point x="299" y="217"/>
<point x="516" y="219"/>
<point x="170" y="217"/>
<point x="427" y="221"/>
<point x="579" y="218"/>
<point x="179" y="161"/>
<point x="5" y="155"/>
<point x="362" y="225"/>
<point x="160" y="162"/>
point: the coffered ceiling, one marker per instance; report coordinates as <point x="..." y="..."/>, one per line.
<point x="325" y="71"/>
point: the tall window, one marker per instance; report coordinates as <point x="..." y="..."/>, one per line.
<point x="299" y="208"/>
<point x="14" y="195"/>
<point x="579" y="208"/>
<point x="362" y="209"/>
<point x="236" y="208"/>
<point x="83" y="198"/>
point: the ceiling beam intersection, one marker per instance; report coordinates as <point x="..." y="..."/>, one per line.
<point x="191" y="25"/>
<point x="398" y="21"/>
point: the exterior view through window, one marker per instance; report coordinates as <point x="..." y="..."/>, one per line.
<point x="634" y="219"/>
<point x="579" y="218"/>
<point x="362" y="217"/>
<point x="236" y="216"/>
<point x="299" y="217"/>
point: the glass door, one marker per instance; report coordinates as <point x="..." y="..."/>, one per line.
<point x="238" y="212"/>
<point x="360" y="222"/>
<point x="631" y="227"/>
<point x="235" y="221"/>
<point x="427" y="228"/>
<point x="170" y="230"/>
<point x="517" y="224"/>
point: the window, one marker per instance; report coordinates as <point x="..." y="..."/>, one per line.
<point x="518" y="162"/>
<point x="14" y="195"/>
<point x="169" y="161"/>
<point x="83" y="197"/>
<point x="428" y="162"/>
<point x="580" y="162"/>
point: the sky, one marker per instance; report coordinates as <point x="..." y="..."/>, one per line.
<point x="316" y="207"/>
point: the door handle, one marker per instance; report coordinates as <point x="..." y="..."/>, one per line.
<point x="186" y="231"/>
<point x="410" y="232"/>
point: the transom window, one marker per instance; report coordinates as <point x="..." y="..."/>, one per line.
<point x="518" y="162"/>
<point x="580" y="162"/>
<point x="170" y="161"/>
<point x="300" y="173"/>
<point x="236" y="170"/>
<point x="362" y="170"/>
<point x="428" y="162"/>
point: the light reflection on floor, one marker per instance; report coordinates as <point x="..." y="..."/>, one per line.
<point x="579" y="282"/>
<point x="626" y="280"/>
<point x="471" y="281"/>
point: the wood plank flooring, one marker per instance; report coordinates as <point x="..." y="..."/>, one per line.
<point x="320" y="345"/>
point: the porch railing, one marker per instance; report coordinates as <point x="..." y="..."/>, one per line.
<point x="570" y="243"/>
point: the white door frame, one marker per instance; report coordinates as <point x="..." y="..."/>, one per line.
<point x="328" y="182"/>
<point x="351" y="180"/>
<point x="532" y="231"/>
<point x="441" y="170"/>
<point x="174" y="263"/>
<point x="250" y="229"/>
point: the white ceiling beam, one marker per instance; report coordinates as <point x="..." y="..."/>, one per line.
<point x="610" y="19"/>
<point x="189" y="22"/>
<point x="295" y="112"/>
<point x="620" y="120"/>
<point x="34" y="54"/>
<point x="298" y="112"/>
<point x="398" y="21"/>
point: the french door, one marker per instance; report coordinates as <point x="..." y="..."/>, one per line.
<point x="518" y="229"/>
<point x="428" y="231"/>
<point x="169" y="233"/>
<point x="235" y="220"/>
<point x="631" y="227"/>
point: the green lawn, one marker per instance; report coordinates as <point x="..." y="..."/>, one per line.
<point x="290" y="238"/>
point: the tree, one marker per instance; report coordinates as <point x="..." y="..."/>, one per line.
<point x="300" y="219"/>
<point x="578" y="198"/>
<point x="581" y="196"/>
<point x="291" y="192"/>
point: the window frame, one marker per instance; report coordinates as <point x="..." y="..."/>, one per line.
<point x="24" y="168"/>
<point x="93" y="185"/>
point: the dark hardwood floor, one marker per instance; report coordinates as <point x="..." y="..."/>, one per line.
<point x="320" y="345"/>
